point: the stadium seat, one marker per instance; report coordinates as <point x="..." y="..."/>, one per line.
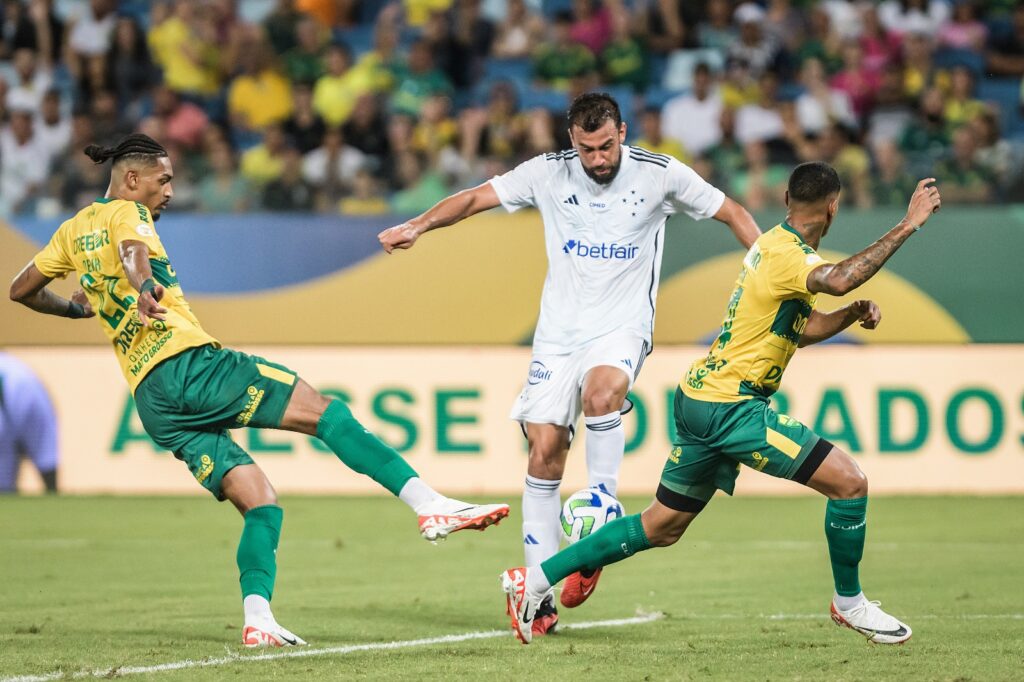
<point x="516" y="70"/>
<point x="1005" y="93"/>
<point x="358" y="38"/>
<point x="947" y="58"/>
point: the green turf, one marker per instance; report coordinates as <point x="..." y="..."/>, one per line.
<point x="102" y="583"/>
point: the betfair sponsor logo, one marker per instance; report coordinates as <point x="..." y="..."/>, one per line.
<point x="255" y="398"/>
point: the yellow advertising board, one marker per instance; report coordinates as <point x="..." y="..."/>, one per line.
<point x="919" y="419"/>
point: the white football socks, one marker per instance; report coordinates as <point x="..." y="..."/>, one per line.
<point x="542" y="509"/>
<point x="847" y="603"/>
<point x="421" y="497"/>
<point x="606" y="443"/>
<point x="257" y="611"/>
<point x="536" y="581"/>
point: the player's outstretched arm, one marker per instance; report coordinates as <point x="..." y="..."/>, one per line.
<point x="458" y="206"/>
<point x="29" y="289"/>
<point x="821" y="326"/>
<point x="843" y="277"/>
<point x="134" y="257"/>
<point x="739" y="221"/>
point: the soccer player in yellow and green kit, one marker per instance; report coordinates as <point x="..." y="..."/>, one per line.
<point x="190" y="391"/>
<point x="723" y="417"/>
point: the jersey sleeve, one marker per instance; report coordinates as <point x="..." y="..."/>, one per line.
<point x="132" y="220"/>
<point x="689" y="193"/>
<point x="517" y="188"/>
<point x="789" y="267"/>
<point x="53" y="261"/>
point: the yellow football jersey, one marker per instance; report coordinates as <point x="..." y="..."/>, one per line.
<point x="767" y="313"/>
<point x="87" y="245"/>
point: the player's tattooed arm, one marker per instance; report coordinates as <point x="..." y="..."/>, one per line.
<point x="30" y="289"/>
<point x="821" y="326"/>
<point x="843" y="277"/>
<point x="449" y="211"/>
<point x="739" y="220"/>
<point x="134" y="257"/>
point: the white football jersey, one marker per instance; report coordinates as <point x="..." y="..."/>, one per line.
<point x="604" y="242"/>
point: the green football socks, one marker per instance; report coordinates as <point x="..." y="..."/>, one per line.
<point x="845" y="528"/>
<point x="360" y="450"/>
<point x="618" y="540"/>
<point x="257" y="560"/>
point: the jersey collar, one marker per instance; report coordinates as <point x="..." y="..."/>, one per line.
<point x="102" y="200"/>
<point x="789" y="228"/>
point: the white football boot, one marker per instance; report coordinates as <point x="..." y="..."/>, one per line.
<point x="451" y="516"/>
<point x="269" y="635"/>
<point x="521" y="605"/>
<point x="872" y="622"/>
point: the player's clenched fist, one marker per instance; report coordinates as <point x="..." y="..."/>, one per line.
<point x="868" y="313"/>
<point x="398" y="237"/>
<point x="925" y="201"/>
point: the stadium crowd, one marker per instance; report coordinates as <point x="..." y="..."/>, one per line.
<point x="367" y="106"/>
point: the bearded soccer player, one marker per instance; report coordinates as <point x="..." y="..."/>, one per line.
<point x="604" y="206"/>
<point x="189" y="390"/>
<point x="723" y="417"/>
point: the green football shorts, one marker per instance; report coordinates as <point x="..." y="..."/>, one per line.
<point x="189" y="401"/>
<point x="713" y="439"/>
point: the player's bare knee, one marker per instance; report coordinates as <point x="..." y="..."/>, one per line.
<point x="545" y="464"/>
<point x="599" y="402"/>
<point x="854" y="485"/>
<point x="664" y="531"/>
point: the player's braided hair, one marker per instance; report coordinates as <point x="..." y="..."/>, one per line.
<point x="589" y="111"/>
<point x="135" y="147"/>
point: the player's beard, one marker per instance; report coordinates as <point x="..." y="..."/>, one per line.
<point x="604" y="179"/>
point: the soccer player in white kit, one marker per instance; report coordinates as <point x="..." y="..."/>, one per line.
<point x="604" y="206"/>
<point x="28" y="425"/>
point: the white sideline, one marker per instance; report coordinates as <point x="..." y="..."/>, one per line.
<point x="304" y="652"/>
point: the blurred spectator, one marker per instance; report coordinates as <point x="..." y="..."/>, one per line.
<point x="592" y="25"/>
<point x="560" y="60"/>
<point x="108" y="124"/>
<point x="662" y="27"/>
<point x="623" y="60"/>
<point x="33" y="80"/>
<point x="496" y="132"/>
<point x="223" y="190"/>
<point x="265" y="161"/>
<point x="305" y="128"/>
<point x="851" y="162"/>
<point x="652" y="140"/>
<point x="418" y="81"/>
<point x="540" y="133"/>
<point x="422" y="186"/>
<point x="926" y="138"/>
<point x="336" y="92"/>
<point x="380" y="65"/>
<point x="961" y="177"/>
<point x="304" y="63"/>
<point x="693" y="119"/>
<point x="28" y="425"/>
<point x="996" y="155"/>
<point x="738" y="87"/>
<point x="417" y="12"/>
<point x="24" y="162"/>
<point x="963" y="31"/>
<point x="519" y="33"/>
<point x="289" y="191"/>
<point x="762" y="121"/>
<point x="907" y="16"/>
<point x="726" y="158"/>
<point x="760" y="183"/>
<point x="919" y="70"/>
<point x="436" y="129"/>
<point x="89" y="39"/>
<point x="880" y="47"/>
<point x="820" y="104"/>
<point x="1005" y="55"/>
<point x="280" y="26"/>
<point x="332" y="167"/>
<point x="329" y="12"/>
<point x="717" y="31"/>
<point x="892" y="111"/>
<point x="189" y="59"/>
<point x="32" y="25"/>
<point x="469" y="42"/>
<point x="130" y="70"/>
<point x="822" y="42"/>
<point x="259" y="96"/>
<point x="961" y="107"/>
<point x="367" y="131"/>
<point x="891" y="184"/>
<point x="51" y="127"/>
<point x="82" y="180"/>
<point x="755" y="47"/>
<point x="856" y="80"/>
<point x="366" y="198"/>
<point x="784" y="23"/>
<point x="183" y="122"/>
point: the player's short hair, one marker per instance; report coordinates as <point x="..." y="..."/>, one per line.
<point x="134" y="147"/>
<point x="589" y="111"/>
<point x="812" y="182"/>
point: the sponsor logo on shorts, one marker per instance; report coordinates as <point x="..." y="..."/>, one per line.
<point x="760" y="461"/>
<point x="538" y="373"/>
<point x="675" y="454"/>
<point x="602" y="251"/>
<point x="255" y="398"/>
<point x="205" y="468"/>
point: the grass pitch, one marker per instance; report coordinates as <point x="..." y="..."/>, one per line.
<point x="101" y="585"/>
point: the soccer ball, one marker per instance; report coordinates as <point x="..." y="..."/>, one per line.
<point x="586" y="511"/>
